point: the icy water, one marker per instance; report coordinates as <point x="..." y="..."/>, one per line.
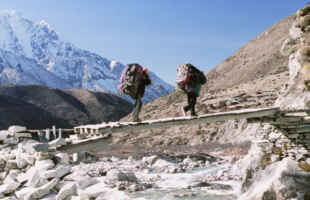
<point x="180" y="195"/>
<point x="167" y="192"/>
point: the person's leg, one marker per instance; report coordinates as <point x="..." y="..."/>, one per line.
<point x="194" y="100"/>
<point x="192" y="103"/>
<point x="188" y="106"/>
<point x="137" y="109"/>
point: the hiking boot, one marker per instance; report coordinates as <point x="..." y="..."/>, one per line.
<point x="136" y="119"/>
<point x="193" y="114"/>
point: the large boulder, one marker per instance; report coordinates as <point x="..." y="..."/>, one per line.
<point x="165" y="166"/>
<point x="17" y="129"/>
<point x="67" y="190"/>
<point x="11" y="164"/>
<point x="281" y="180"/>
<point x="85" y="182"/>
<point x="63" y="158"/>
<point x="20" y="194"/>
<point x="150" y="160"/>
<point x="58" y="172"/>
<point x="57" y="142"/>
<point x="4" y="135"/>
<point x="2" y="164"/>
<point x="33" y="177"/>
<point x="93" y="191"/>
<point x="8" y="188"/>
<point x="44" y="164"/>
<point x="116" y="175"/>
<point x="37" y="193"/>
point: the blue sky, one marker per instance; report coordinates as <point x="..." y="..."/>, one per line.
<point x="159" y="34"/>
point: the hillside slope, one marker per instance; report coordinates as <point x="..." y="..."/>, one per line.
<point x="42" y="107"/>
<point x="258" y="58"/>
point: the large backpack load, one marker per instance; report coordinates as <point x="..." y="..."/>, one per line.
<point x="130" y="79"/>
<point x="189" y="74"/>
<point x="197" y="75"/>
<point x="182" y="76"/>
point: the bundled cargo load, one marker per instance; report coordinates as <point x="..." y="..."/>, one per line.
<point x="130" y="79"/>
<point x="187" y="74"/>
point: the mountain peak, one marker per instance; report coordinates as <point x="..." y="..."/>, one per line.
<point x="11" y="14"/>
<point x="8" y="12"/>
<point x="53" y="62"/>
<point x="44" y="23"/>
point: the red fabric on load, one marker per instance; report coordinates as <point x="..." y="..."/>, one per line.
<point x="187" y="77"/>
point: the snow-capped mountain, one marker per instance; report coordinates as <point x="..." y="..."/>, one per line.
<point x="20" y="70"/>
<point x="33" y="53"/>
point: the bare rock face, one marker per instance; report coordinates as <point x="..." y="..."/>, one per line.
<point x="297" y="95"/>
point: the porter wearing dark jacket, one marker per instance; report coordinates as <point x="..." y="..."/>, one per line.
<point x="143" y="82"/>
<point x="133" y="81"/>
<point x="193" y="79"/>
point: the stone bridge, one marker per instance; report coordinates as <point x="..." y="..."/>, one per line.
<point x="295" y="124"/>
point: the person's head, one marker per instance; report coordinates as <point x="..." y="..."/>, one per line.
<point x="146" y="74"/>
<point x="145" y="70"/>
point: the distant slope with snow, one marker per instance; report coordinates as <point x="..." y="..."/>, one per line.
<point x="33" y="53"/>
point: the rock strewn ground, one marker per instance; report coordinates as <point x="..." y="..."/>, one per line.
<point x="32" y="170"/>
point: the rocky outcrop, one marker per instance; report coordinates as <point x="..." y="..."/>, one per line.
<point x="281" y="180"/>
<point x="277" y="166"/>
<point x="297" y="95"/>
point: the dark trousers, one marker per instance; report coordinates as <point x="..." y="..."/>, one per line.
<point x="191" y="101"/>
<point x="137" y="109"/>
